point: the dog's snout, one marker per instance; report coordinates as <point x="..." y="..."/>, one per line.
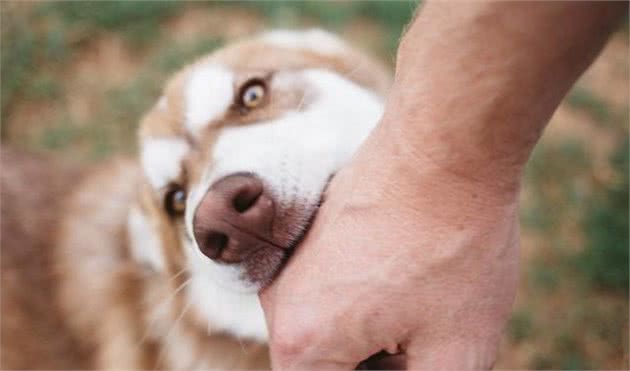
<point x="234" y="218"/>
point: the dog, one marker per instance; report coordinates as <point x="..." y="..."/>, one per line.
<point x="156" y="262"/>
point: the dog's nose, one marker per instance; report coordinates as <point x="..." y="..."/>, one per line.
<point x="234" y="218"/>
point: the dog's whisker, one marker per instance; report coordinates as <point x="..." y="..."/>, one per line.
<point x="179" y="273"/>
<point x="161" y="306"/>
<point x="168" y="338"/>
<point x="240" y="341"/>
<point x="301" y="102"/>
<point x="181" y="287"/>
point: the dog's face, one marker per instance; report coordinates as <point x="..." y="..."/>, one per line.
<point x="237" y="154"/>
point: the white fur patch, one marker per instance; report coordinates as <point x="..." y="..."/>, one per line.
<point x="315" y="39"/>
<point x="220" y="302"/>
<point x="208" y="93"/>
<point x="145" y="244"/>
<point x="294" y="155"/>
<point x="161" y="159"/>
<point x="297" y="153"/>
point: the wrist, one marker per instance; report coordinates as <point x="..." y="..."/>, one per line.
<point x="389" y="172"/>
<point x="459" y="160"/>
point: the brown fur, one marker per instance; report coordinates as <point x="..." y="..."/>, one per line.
<point x="86" y="305"/>
<point x="72" y="295"/>
<point x="33" y="333"/>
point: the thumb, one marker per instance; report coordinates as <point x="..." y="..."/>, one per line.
<point x="307" y="342"/>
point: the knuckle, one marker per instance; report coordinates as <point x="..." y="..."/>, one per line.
<point x="290" y="342"/>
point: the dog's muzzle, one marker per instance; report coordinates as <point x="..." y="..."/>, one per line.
<point x="233" y="225"/>
<point x="235" y="219"/>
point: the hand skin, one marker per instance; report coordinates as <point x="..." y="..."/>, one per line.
<point x="415" y="250"/>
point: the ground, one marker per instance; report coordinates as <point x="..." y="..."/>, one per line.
<point x="77" y="76"/>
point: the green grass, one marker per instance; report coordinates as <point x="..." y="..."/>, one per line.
<point x="553" y="175"/>
<point x="27" y="57"/>
<point x="136" y="21"/>
<point x="604" y="260"/>
<point x="58" y="137"/>
<point x="392" y="15"/>
<point x="585" y="100"/>
<point x="36" y="45"/>
<point x="543" y="276"/>
<point x="43" y="87"/>
<point x="520" y="326"/>
<point x="113" y="128"/>
<point x="582" y="225"/>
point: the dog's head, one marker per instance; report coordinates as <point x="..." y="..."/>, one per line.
<point x="238" y="152"/>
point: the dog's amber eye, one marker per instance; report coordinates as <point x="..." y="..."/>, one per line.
<point x="175" y="201"/>
<point x="253" y="94"/>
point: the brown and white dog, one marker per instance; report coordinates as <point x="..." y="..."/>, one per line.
<point x="157" y="263"/>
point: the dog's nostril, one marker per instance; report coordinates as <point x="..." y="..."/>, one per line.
<point x="214" y="244"/>
<point x="246" y="198"/>
<point x="233" y="218"/>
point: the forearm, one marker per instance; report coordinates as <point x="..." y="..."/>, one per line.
<point x="416" y="217"/>
<point x="477" y="82"/>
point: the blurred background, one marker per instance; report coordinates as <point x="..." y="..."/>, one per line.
<point x="76" y="77"/>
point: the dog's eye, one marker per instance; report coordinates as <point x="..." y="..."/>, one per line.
<point x="175" y="201"/>
<point x="252" y="94"/>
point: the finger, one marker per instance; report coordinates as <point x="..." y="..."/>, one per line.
<point x="285" y="356"/>
<point x="303" y="339"/>
<point x="451" y="355"/>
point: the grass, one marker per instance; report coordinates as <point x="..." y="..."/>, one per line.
<point x="553" y="175"/>
<point x="58" y="137"/>
<point x="520" y="326"/>
<point x="582" y="226"/>
<point x="392" y="15"/>
<point x="24" y="51"/>
<point x="136" y="21"/>
<point x="35" y="45"/>
<point x="113" y="128"/>
<point x="558" y="174"/>
<point x="596" y="107"/>
<point x="543" y="276"/>
<point x="605" y="257"/>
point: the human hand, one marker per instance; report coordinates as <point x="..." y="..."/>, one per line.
<point x="403" y="257"/>
<point x="415" y="250"/>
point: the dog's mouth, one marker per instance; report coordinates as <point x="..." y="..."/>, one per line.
<point x="264" y="265"/>
<point x="306" y="227"/>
